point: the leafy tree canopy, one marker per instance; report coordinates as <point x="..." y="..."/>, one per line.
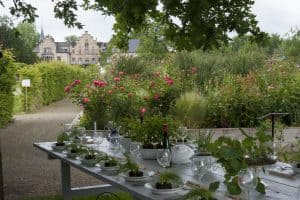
<point x="72" y="39"/>
<point x="191" y="24"/>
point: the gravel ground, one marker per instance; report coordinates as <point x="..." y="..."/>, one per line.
<point x="26" y="170"/>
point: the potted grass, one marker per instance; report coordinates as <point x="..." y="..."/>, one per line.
<point x="74" y="150"/>
<point x="90" y="158"/>
<point x="168" y="180"/>
<point x="60" y="144"/>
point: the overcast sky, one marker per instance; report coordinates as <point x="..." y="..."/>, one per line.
<point x="274" y="16"/>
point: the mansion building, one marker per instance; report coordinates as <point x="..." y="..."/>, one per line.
<point x="85" y="51"/>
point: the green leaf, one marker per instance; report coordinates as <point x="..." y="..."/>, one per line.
<point x="214" y="186"/>
<point x="260" y="187"/>
<point x="233" y="187"/>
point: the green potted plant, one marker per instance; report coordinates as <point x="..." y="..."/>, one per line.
<point x="74" y="150"/>
<point x="90" y="158"/>
<point x="109" y="163"/>
<point x="203" y="139"/>
<point x="168" y="180"/>
<point x="234" y="156"/>
<point x="60" y="144"/>
<point x="131" y="168"/>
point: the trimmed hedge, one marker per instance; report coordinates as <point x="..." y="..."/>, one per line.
<point x="48" y="81"/>
<point x="7" y="81"/>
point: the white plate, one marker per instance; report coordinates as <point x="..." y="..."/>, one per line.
<point x="110" y="169"/>
<point x="162" y="191"/>
<point x="136" y="179"/>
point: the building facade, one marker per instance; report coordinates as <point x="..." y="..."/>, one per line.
<point x="85" y="51"/>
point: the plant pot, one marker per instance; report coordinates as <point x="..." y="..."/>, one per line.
<point x="58" y="147"/>
<point x="260" y="161"/>
<point x="89" y="162"/>
<point x="149" y="154"/>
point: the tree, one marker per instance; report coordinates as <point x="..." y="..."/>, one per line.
<point x="153" y="44"/>
<point x="17" y="40"/>
<point x="28" y="34"/>
<point x="72" y="39"/>
<point x="198" y="24"/>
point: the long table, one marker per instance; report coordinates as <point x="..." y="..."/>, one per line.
<point x="277" y="187"/>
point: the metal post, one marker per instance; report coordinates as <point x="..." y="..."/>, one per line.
<point x="66" y="181"/>
<point x="273" y="126"/>
<point x="1" y="177"/>
<point x="26" y="106"/>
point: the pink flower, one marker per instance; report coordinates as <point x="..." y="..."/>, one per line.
<point x="96" y="82"/>
<point x="67" y="89"/>
<point x="117" y="79"/>
<point x="85" y="100"/>
<point x="167" y="78"/>
<point x="143" y="110"/>
<point x="170" y="82"/>
<point x="121" y="73"/>
<point x="77" y="81"/>
<point x="102" y="83"/>
<point x="156" y="97"/>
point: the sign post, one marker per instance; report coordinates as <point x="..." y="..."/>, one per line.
<point x="26" y="84"/>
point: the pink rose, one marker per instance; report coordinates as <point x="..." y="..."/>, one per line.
<point x="143" y="110"/>
<point x="85" y="100"/>
<point x="96" y="82"/>
<point x="102" y="83"/>
<point x="67" y="89"/>
<point x="117" y="79"/>
<point x="170" y="82"/>
<point x="77" y="81"/>
<point x="156" y="97"/>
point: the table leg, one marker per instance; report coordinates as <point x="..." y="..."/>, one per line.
<point x="66" y="181"/>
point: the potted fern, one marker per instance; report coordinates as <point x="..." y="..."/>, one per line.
<point x="60" y="144"/>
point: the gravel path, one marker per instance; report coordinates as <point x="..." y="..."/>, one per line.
<point x="26" y="170"/>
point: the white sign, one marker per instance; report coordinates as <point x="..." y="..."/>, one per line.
<point x="26" y="83"/>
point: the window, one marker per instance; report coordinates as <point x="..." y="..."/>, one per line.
<point x="47" y="50"/>
<point x="80" y="60"/>
<point x="86" y="61"/>
<point x="58" y="58"/>
<point x="73" y="51"/>
<point x="86" y="46"/>
<point x="93" y="60"/>
<point x="79" y="51"/>
<point x="73" y="60"/>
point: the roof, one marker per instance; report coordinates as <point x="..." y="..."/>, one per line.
<point x="133" y="45"/>
<point x="62" y="47"/>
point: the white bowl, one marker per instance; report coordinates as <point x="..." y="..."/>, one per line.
<point x="89" y="162"/>
<point x="58" y="148"/>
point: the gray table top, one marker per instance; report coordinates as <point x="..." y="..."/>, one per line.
<point x="277" y="187"/>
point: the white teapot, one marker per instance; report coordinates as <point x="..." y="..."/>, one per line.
<point x="181" y="154"/>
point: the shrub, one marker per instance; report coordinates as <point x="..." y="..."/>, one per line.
<point x="7" y="81"/>
<point x="47" y="81"/>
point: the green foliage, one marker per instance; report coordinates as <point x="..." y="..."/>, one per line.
<point x="170" y="177"/>
<point x="203" y="140"/>
<point x="47" y="82"/>
<point x="130" y="165"/>
<point x="21" y="40"/>
<point x="130" y="65"/>
<point x="62" y="137"/>
<point x="190" y="110"/>
<point x="199" y="194"/>
<point x="7" y="81"/>
<point x="235" y="155"/>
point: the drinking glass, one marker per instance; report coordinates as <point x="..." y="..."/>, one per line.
<point x="81" y="133"/>
<point x="115" y="144"/>
<point x="135" y="149"/>
<point x="182" y="130"/>
<point x="98" y="138"/>
<point x="199" y="167"/>
<point x="68" y="130"/>
<point x="163" y="157"/>
<point x="247" y="181"/>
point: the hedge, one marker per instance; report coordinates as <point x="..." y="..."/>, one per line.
<point x="48" y="81"/>
<point x="7" y="81"/>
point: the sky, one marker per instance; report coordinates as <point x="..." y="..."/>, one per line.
<point x="274" y="16"/>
